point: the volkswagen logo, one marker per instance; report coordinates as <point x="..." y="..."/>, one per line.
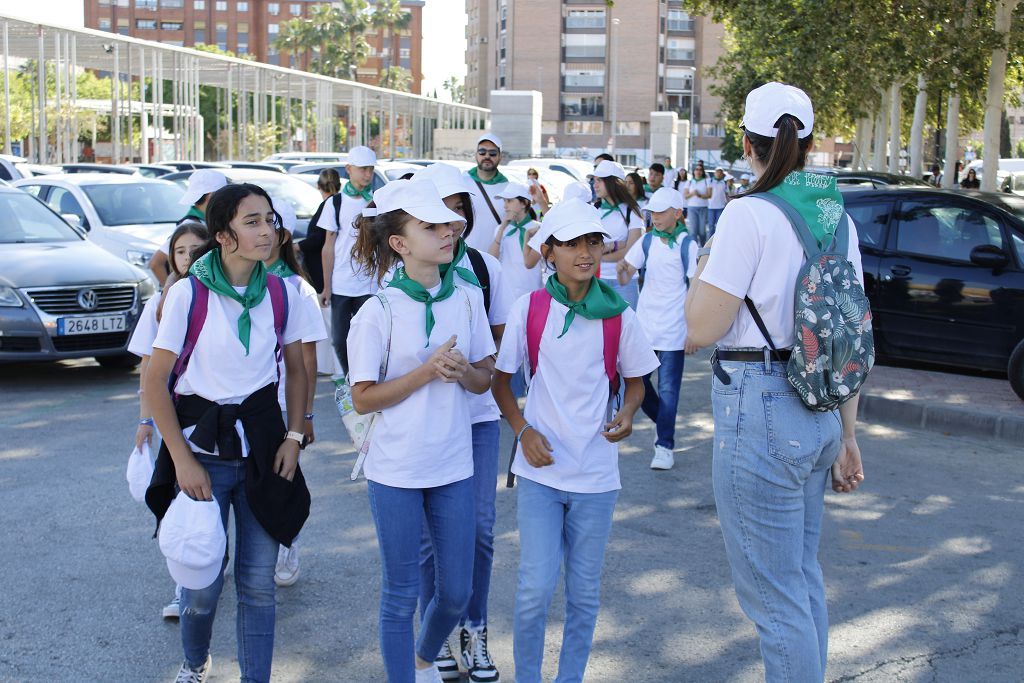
<point x="88" y="299"/>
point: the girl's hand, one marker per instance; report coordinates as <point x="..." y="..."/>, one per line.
<point x="452" y="366"/>
<point x="848" y="471"/>
<point x="689" y="347"/>
<point x="144" y="435"/>
<point x="619" y="428"/>
<point x="286" y="459"/>
<point x="439" y="361"/>
<point x="193" y="478"/>
<point x="307" y="431"/>
<point x="536" y="448"/>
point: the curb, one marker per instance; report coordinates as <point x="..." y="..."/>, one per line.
<point x="941" y="418"/>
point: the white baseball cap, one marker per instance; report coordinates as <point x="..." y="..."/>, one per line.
<point x="193" y="541"/>
<point x="607" y="169"/>
<point x="767" y="104"/>
<point x="287" y="212"/>
<point x="746" y="176"/>
<point x="417" y="197"/>
<point x="665" y="198"/>
<point x="361" y="156"/>
<point x="490" y="137"/>
<point x="447" y="179"/>
<point x="202" y="182"/>
<point x="578" y="190"/>
<point x="513" y="190"/>
<point x="567" y="220"/>
<point x="140" y="471"/>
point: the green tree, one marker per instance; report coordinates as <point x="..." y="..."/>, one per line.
<point x="390" y="18"/>
<point x="455" y="88"/>
<point x="396" y="78"/>
<point x="332" y="36"/>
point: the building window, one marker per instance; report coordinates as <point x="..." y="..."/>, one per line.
<point x="680" y="49"/>
<point x="199" y="4"/>
<point x="222" y="35"/>
<point x="585" y="78"/>
<point x="273" y="56"/>
<point x="585" y="18"/>
<point x="122" y="27"/>
<point x="172" y="4"/>
<point x="104" y="3"/>
<point x="584" y="46"/>
<point x="679" y="20"/>
<point x="221" y="5"/>
<point x="679" y="80"/>
<point x="198" y="32"/>
<point x="242" y="37"/>
<point x="145" y="4"/>
<point x="273" y="8"/>
<point x="680" y="104"/>
<point x="627" y="128"/>
<point x="582" y="106"/>
<point x="296" y="9"/>
<point x="584" y="127"/>
<point x="273" y="29"/>
<point x="171" y="26"/>
<point x="243" y="6"/>
<point x="105" y="24"/>
<point x="145" y="24"/>
<point x="712" y="130"/>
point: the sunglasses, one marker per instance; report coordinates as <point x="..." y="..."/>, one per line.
<point x="488" y="152"/>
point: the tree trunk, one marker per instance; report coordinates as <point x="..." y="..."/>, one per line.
<point x="952" y="137"/>
<point x="917" y="129"/>
<point x="994" y="97"/>
<point x="895" y="112"/>
<point x="861" y="140"/>
<point x="881" y="133"/>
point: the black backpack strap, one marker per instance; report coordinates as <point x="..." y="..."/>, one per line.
<point x="482" y="274"/>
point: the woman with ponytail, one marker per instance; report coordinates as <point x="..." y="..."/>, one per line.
<point x="773" y="457"/>
<point x="622" y="222"/>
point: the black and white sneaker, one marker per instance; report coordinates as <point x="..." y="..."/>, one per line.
<point x="446" y="664"/>
<point x="187" y="674"/>
<point x="473" y="645"/>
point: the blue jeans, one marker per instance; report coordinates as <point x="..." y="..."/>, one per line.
<point x="713" y="216"/>
<point x="555" y="527"/>
<point x="398" y="515"/>
<point x="697" y="223"/>
<point x="772" y="457"/>
<point x="661" y="405"/>
<point x="255" y="559"/>
<point x="486" y="436"/>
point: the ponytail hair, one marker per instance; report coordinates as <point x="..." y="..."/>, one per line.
<point x="371" y="250"/>
<point x="188" y="227"/>
<point x="286" y="252"/>
<point x="780" y="155"/>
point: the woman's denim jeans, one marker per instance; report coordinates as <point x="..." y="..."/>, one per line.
<point x="486" y="437"/>
<point x="255" y="559"/>
<point x="697" y="223"/>
<point x="557" y="526"/>
<point x="772" y="457"/>
<point x="661" y="405"/>
<point x="398" y="514"/>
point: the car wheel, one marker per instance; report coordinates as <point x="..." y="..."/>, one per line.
<point x="123" y="361"/>
<point x="1015" y="370"/>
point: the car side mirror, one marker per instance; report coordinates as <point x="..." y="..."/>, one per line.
<point x="74" y="220"/>
<point x="989" y="256"/>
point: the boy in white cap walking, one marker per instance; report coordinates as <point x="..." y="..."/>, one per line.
<point x="201" y="186"/>
<point x="488" y="208"/>
<point x="346" y="288"/>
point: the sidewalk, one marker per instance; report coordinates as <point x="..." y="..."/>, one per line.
<point x="943" y="402"/>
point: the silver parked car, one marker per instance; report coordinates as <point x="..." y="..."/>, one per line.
<point x="61" y="296"/>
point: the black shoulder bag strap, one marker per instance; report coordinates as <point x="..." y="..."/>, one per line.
<point x="337" y="199"/>
<point x="482" y="274"/>
<point x="487" y="198"/>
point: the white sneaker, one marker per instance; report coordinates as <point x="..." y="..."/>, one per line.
<point x="428" y="675"/>
<point x="172" y="610"/>
<point x="287" y="571"/>
<point x="446" y="664"/>
<point x="187" y="674"/>
<point x="663" y="458"/>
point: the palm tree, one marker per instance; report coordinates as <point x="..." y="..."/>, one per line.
<point x="333" y="34"/>
<point x="396" y="78"/>
<point x="389" y="16"/>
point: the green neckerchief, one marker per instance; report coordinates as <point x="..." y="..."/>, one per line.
<point x="280" y="269"/>
<point x="499" y="177"/>
<point x="520" y="227"/>
<point x="209" y="270"/>
<point x="816" y="198"/>
<point x="351" y="191"/>
<point x="608" y="208"/>
<point x="648" y="190"/>
<point x="417" y="292"/>
<point x="600" y="301"/>
<point x="194" y="212"/>
<point x="670" y="236"/>
<point x="450" y="270"/>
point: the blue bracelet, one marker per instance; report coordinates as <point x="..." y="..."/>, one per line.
<point x="146" y="421"/>
<point x="308" y="416"/>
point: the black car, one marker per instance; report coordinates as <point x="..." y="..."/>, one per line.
<point x="944" y="272"/>
<point x="867" y="180"/>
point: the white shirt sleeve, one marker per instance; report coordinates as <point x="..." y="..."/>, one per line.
<point x="735" y="252"/>
<point x="513" y="343"/>
<point x="636" y="357"/>
<point x="691" y="259"/>
<point x="170" y="335"/>
<point x="141" y="343"/>
<point x="328" y="221"/>
<point x="853" y="251"/>
<point x="635" y="255"/>
<point x="305" y="323"/>
<point x="367" y="339"/>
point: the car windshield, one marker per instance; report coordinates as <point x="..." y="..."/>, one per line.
<point x="135" y="203"/>
<point x="27" y="220"/>
<point x="303" y="198"/>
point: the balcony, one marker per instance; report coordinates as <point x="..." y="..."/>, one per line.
<point x="681" y="25"/>
<point x="583" y="54"/>
<point x="575" y="111"/>
<point x="583" y="84"/>
<point x="595" y="24"/>
<point x="679" y="85"/>
<point x="680" y="56"/>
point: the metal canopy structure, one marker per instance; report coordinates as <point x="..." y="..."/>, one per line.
<point x="249" y="94"/>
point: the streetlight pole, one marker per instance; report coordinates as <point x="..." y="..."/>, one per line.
<point x="615" y="82"/>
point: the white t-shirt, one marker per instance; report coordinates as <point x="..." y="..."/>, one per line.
<point x="346" y="279"/>
<point x="313" y="324"/>
<point x="660" y="308"/>
<point x="719" y="190"/>
<point x="425" y="440"/>
<point x="756" y="253"/>
<point x="568" y="397"/>
<point x="219" y="369"/>
<point x="484" y="224"/>
<point x="518" y="278"/>
<point x="141" y="343"/>
<point x="700" y="187"/>
<point x="617" y="227"/>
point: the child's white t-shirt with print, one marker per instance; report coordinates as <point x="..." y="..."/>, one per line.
<point x="313" y="323"/>
<point x="568" y="397"/>
<point x="346" y="279"/>
<point x="219" y="369"/>
<point x="424" y="440"/>
<point x="617" y="226"/>
<point x="660" y="307"/>
<point x="756" y="253"/>
<point x="141" y="343"/>
<point x="516" y="276"/>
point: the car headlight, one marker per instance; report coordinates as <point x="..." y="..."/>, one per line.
<point x="138" y="258"/>
<point x="147" y="290"/>
<point x="10" y="298"/>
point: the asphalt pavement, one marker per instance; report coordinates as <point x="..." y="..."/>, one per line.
<point x="923" y="565"/>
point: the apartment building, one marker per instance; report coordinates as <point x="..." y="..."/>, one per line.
<point x="602" y="70"/>
<point x="249" y="27"/>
